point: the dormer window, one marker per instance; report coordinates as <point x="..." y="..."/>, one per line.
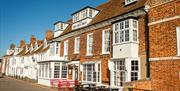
<point x="36" y="46"/>
<point x="129" y="1"/>
<point x="59" y="27"/>
<point x="45" y="43"/>
<point x="82" y="17"/>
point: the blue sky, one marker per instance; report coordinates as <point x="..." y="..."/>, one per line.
<point x="19" y="19"/>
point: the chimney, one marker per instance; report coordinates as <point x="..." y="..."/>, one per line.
<point x="32" y="40"/>
<point x="49" y="35"/>
<point x="22" y="43"/>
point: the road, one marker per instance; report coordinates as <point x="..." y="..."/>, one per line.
<point x="11" y="84"/>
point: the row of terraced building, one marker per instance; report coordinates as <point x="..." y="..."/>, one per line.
<point x="130" y="45"/>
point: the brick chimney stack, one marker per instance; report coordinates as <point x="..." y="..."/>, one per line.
<point x="49" y="35"/>
<point x="22" y="43"/>
<point x="32" y="40"/>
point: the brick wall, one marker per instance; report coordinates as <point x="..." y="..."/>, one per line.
<point x="163" y="35"/>
<point x="164" y="73"/>
<point x="97" y="50"/>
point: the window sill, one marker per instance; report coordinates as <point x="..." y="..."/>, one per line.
<point x="76" y="52"/>
<point x="105" y="53"/>
<point x="125" y="43"/>
<point x="89" y="55"/>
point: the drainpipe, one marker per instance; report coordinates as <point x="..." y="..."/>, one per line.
<point x="147" y="41"/>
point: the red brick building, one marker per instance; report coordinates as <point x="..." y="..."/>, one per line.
<point x="129" y="45"/>
<point x="106" y="45"/>
<point x="164" y="41"/>
<point x="164" y="47"/>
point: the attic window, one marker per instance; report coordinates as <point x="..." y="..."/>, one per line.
<point x="83" y="17"/>
<point x="87" y="12"/>
<point x="129" y="1"/>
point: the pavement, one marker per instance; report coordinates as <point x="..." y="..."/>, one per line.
<point x="11" y="84"/>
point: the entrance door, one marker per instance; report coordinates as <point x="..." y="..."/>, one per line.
<point x="75" y="73"/>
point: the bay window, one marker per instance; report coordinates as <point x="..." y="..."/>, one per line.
<point x="106" y="42"/>
<point x="77" y="45"/>
<point x="89" y="44"/>
<point x="125" y="31"/>
<point x="91" y="72"/>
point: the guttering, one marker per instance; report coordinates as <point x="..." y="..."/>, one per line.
<point x="146" y="20"/>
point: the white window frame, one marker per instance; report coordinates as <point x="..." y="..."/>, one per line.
<point x="55" y="75"/>
<point x="134" y="71"/>
<point x="77" y="45"/>
<point x="129" y="1"/>
<point x="119" y="72"/>
<point x="57" y="48"/>
<point x="66" y="48"/>
<point x="64" y="68"/>
<point x="97" y="71"/>
<point x="178" y="40"/>
<point x="89" y="45"/>
<point x="104" y="44"/>
<point x="120" y="32"/>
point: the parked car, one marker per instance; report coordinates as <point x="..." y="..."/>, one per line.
<point x="1" y="75"/>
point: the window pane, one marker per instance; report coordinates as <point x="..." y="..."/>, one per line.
<point x="134" y="35"/>
<point x="121" y="36"/>
<point x="89" y="73"/>
<point x="126" y="35"/>
<point x="106" y="41"/>
<point x="116" y="26"/>
<point x="134" y="70"/>
<point x="134" y="24"/>
<point x="121" y="24"/>
<point x="116" y="37"/>
<point x="127" y="24"/>
<point x="89" y="44"/>
<point x="56" y="70"/>
<point x="119" y="72"/>
<point x="64" y="71"/>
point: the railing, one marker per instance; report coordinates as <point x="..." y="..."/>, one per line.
<point x="60" y="83"/>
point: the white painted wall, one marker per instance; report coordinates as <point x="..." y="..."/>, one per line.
<point x="82" y="23"/>
<point x="125" y="50"/>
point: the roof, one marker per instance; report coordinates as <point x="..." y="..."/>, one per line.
<point x="22" y="51"/>
<point x="108" y="10"/>
<point x="38" y="50"/>
<point x="83" y="9"/>
<point x="45" y="49"/>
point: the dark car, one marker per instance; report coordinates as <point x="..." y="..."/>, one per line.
<point x="1" y="75"/>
